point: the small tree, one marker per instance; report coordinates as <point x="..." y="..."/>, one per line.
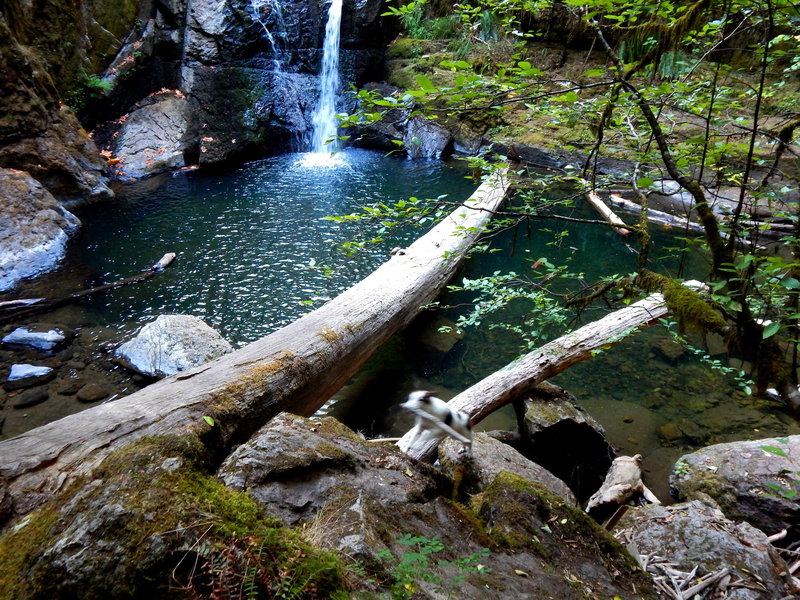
<point x="677" y="91"/>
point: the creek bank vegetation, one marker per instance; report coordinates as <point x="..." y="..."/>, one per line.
<point x="689" y="99"/>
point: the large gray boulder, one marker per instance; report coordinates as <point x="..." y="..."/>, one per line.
<point x="755" y="481"/>
<point x="170" y="344"/>
<point x="425" y="139"/>
<point x="366" y="499"/>
<point x="154" y="137"/>
<point x="693" y="535"/>
<point x="34" y="228"/>
<point x="489" y="458"/>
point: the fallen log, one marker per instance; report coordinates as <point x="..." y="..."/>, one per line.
<point x="522" y="375"/>
<point x="295" y="369"/>
<point x="602" y="209"/>
<point x="16" y="309"/>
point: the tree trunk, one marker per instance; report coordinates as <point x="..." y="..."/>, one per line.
<point x="295" y="369"/>
<point x="521" y="376"/>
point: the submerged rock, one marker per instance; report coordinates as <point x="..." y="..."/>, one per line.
<point x="754" y="481"/>
<point x="170" y="344"/>
<point x="34" y="228"/>
<point x="693" y="535"/>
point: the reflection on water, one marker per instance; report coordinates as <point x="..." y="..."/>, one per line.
<point x="253" y="248"/>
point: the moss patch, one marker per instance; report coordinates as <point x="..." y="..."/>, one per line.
<point x="154" y="521"/>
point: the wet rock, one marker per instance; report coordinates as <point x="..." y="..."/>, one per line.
<point x="564" y="439"/>
<point x="31" y="397"/>
<point x="754" y="481"/>
<point x="93" y="392"/>
<point x="69" y="387"/>
<point x="39" y="337"/>
<point x="154" y="137"/>
<point x="34" y="228"/>
<point x="667" y="349"/>
<point x="670" y="432"/>
<point x="489" y="458"/>
<point x="426" y="139"/>
<point x="24" y="376"/>
<point x="693" y="535"/>
<point x="170" y="344"/>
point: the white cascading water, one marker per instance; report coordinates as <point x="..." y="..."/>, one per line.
<point x="271" y="10"/>
<point x="324" y="120"/>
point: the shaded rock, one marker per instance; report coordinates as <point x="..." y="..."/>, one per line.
<point x="670" y="432"/>
<point x="667" y="349"/>
<point x="34" y="228"/>
<point x="361" y="498"/>
<point x="31" y="397"/>
<point x="426" y="139"/>
<point x="69" y="387"/>
<point x="93" y="392"/>
<point x="489" y="458"/>
<point x="40" y="337"/>
<point x="170" y="344"/>
<point x="748" y="482"/>
<point x="23" y="376"/>
<point x="566" y="440"/>
<point x="693" y="535"/>
<point x="154" y="137"/>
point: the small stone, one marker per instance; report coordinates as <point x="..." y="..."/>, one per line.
<point x="668" y="350"/>
<point x="92" y="392"/>
<point x="31" y="397"/>
<point x="627" y="419"/>
<point x="24" y="376"/>
<point x="78" y="365"/>
<point x="670" y="432"/>
<point x="69" y="387"/>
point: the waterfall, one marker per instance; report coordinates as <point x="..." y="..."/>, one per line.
<point x="324" y="120"/>
<point x="270" y="10"/>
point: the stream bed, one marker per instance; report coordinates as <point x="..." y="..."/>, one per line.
<point x="255" y="253"/>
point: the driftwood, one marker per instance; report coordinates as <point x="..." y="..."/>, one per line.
<point x="521" y="376"/>
<point x="622" y="482"/>
<point x="16" y="309"/>
<point x="656" y="216"/>
<point x="605" y="212"/>
<point x="295" y="369"/>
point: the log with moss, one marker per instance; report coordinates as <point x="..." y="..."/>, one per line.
<point x="295" y="369"/>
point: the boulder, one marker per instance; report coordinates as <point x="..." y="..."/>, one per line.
<point x="34" y="228"/>
<point x="31" y="397"/>
<point x="489" y="457"/>
<point x="755" y="481"/>
<point x="93" y="392"/>
<point x="24" y="376"/>
<point x="154" y="137"/>
<point x="170" y="344"/>
<point x="39" y="337"/>
<point x="426" y="139"/>
<point x="368" y="500"/>
<point x="693" y="535"/>
<point x="562" y="437"/>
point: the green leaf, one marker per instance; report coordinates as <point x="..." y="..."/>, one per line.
<point x="209" y="420"/>
<point x="425" y="84"/>
<point x="770" y="330"/>
<point x="644" y="182"/>
<point x="774" y="450"/>
<point x="790" y="283"/>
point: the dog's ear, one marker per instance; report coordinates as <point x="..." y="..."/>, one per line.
<point x="426" y="396"/>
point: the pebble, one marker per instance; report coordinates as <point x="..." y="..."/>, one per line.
<point x="31" y="397"/>
<point x="92" y="392"/>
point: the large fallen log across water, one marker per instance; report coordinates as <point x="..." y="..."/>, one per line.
<point x="295" y="369"/>
<point x="521" y="376"/>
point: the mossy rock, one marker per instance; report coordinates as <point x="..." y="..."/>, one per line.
<point x="154" y="522"/>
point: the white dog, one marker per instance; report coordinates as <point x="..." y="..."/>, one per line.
<point x="435" y="420"/>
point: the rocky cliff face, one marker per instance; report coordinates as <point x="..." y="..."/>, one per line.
<point x="165" y="83"/>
